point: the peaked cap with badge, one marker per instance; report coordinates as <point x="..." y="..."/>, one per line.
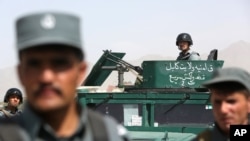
<point x="48" y="28"/>
<point x="230" y="74"/>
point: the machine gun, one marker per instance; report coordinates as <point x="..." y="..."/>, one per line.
<point x="122" y="66"/>
<point x="110" y="61"/>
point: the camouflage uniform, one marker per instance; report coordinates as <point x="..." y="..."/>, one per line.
<point x="7" y="113"/>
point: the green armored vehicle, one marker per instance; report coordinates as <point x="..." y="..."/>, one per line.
<point x="166" y="102"/>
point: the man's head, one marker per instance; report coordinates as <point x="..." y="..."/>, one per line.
<point x="184" y="41"/>
<point x="13" y="97"/>
<point x="51" y="59"/>
<point x="230" y="97"/>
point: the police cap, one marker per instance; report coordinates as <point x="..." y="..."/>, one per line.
<point x="230" y="74"/>
<point x="48" y="28"/>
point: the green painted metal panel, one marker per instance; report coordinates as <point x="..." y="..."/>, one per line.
<point x="98" y="74"/>
<point x="148" y="131"/>
<point x="173" y="133"/>
<point x="192" y="128"/>
<point x="147" y="98"/>
<point x="151" y="98"/>
<point x="148" y="136"/>
<point x="160" y="136"/>
<point x="177" y="74"/>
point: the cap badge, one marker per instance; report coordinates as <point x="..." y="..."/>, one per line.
<point x="48" y="21"/>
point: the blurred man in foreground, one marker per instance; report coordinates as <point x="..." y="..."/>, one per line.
<point x="230" y="98"/>
<point x="51" y="66"/>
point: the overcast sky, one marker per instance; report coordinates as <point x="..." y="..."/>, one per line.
<point x="137" y="27"/>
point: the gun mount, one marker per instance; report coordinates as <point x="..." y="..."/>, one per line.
<point x="108" y="62"/>
<point x="169" y="101"/>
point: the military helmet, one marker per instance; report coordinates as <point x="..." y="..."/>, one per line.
<point x="13" y="91"/>
<point x="184" y="37"/>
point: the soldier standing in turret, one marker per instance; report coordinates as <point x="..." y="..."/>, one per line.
<point x="184" y="41"/>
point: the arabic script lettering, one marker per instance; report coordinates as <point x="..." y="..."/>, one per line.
<point x="188" y="73"/>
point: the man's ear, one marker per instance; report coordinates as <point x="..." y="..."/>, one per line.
<point x="19" y="73"/>
<point x="248" y="104"/>
<point x="82" y="72"/>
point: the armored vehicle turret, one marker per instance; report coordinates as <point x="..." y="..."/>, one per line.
<point x="166" y="102"/>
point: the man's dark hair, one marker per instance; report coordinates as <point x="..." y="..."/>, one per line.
<point x="230" y="87"/>
<point x="78" y="53"/>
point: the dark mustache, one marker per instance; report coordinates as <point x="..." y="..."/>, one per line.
<point x="54" y="88"/>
